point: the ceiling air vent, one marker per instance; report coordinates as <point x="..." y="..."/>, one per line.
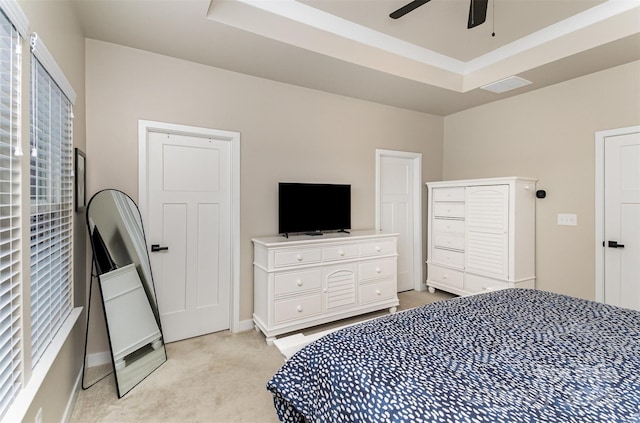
<point x="506" y="84"/>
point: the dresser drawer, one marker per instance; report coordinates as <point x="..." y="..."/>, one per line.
<point x="446" y="276"/>
<point x="447" y="209"/>
<point x="446" y="240"/>
<point x="293" y="282"/>
<point x="477" y="284"/>
<point x="448" y="225"/>
<point x="293" y="257"/>
<point x="383" y="246"/>
<point x="450" y="258"/>
<point x="377" y="291"/>
<point x="297" y="308"/>
<point x="448" y="194"/>
<point x="377" y="269"/>
<point x="340" y="252"/>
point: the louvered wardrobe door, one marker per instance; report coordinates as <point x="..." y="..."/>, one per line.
<point x="487" y="237"/>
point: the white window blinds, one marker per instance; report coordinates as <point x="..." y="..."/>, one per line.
<point x="10" y="276"/>
<point x="51" y="208"/>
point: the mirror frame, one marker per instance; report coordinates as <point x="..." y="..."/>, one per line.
<point x="127" y="291"/>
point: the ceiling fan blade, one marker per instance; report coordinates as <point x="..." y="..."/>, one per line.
<point x="477" y="13"/>
<point x="407" y="8"/>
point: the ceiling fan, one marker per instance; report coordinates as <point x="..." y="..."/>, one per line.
<point x="477" y="11"/>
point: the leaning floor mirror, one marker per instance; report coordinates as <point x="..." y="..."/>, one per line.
<point x="123" y="271"/>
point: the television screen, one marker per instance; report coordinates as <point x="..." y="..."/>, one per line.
<point x="313" y="208"/>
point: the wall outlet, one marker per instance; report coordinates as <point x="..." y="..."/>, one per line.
<point x="567" y="219"/>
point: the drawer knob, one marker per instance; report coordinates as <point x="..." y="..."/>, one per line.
<point x="378" y="292"/>
<point x="299" y="282"/>
<point x="378" y="249"/>
<point x="299" y="308"/>
<point x="299" y="257"/>
<point x="341" y="253"/>
<point x="378" y="270"/>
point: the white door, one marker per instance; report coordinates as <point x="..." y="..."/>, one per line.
<point x="622" y="220"/>
<point x="397" y="202"/>
<point x="189" y="214"/>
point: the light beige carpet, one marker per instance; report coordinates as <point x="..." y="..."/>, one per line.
<point x="219" y="377"/>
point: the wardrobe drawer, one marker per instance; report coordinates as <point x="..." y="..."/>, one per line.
<point x="453" y="278"/>
<point x="297" y="308"/>
<point x="445" y="240"/>
<point x="378" y="291"/>
<point x="383" y="246"/>
<point x="293" y="282"/>
<point x="340" y="252"/>
<point x="450" y="258"/>
<point x="448" y="225"/>
<point x="293" y="257"/>
<point x="377" y="269"/>
<point x="448" y="194"/>
<point x="477" y="284"/>
<point x="448" y="209"/>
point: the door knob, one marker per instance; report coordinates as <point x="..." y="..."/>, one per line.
<point x="614" y="244"/>
<point x="156" y="247"/>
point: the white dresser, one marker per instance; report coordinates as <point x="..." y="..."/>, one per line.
<point x="304" y="280"/>
<point x="481" y="235"/>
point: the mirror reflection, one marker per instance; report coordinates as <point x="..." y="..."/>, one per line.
<point x="121" y="262"/>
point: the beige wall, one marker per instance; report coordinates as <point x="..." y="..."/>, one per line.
<point x="549" y="134"/>
<point x="57" y="27"/>
<point x="288" y="133"/>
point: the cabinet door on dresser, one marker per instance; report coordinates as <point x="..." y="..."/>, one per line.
<point x="340" y="286"/>
<point x="487" y="230"/>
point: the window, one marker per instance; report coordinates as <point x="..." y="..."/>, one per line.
<point x="10" y="276"/>
<point x="51" y="208"/>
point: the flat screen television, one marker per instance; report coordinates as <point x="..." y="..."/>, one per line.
<point x="313" y="208"/>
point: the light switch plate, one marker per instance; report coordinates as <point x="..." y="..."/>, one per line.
<point x="567" y="219"/>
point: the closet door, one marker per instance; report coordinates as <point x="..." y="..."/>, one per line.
<point x="487" y="235"/>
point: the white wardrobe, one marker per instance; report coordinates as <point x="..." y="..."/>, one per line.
<point x="481" y="235"/>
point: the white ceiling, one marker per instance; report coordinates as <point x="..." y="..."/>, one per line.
<point x="425" y="61"/>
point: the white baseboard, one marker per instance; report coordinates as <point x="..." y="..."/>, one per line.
<point x="245" y="325"/>
<point x="72" y="399"/>
<point x="98" y="359"/>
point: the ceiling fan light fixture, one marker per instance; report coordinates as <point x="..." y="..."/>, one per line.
<point x="506" y="84"/>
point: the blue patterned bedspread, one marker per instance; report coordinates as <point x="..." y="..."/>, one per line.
<point x="514" y="355"/>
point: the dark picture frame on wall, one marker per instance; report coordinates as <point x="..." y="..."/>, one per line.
<point x="80" y="180"/>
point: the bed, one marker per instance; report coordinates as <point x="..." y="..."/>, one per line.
<point x="515" y="355"/>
